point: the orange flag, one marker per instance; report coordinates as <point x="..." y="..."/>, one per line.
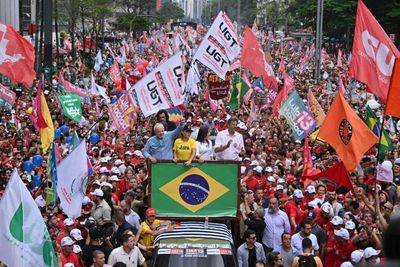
<point x="392" y="104"/>
<point x="346" y="133"/>
<point x="316" y="109"/>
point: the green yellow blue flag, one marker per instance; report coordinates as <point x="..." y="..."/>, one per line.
<point x="372" y="123"/>
<point x="238" y="89"/>
<point x="209" y="189"/>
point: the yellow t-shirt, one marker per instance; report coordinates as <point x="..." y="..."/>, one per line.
<point x="184" y="148"/>
<point x="148" y="239"/>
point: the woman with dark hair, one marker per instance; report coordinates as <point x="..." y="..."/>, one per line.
<point x="205" y="150"/>
<point x="274" y="259"/>
<point x="163" y="117"/>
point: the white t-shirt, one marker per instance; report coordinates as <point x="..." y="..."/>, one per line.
<point x="232" y="152"/>
<point x="297" y="247"/>
<point x="133" y="219"/>
<point x="131" y="260"/>
<point x="205" y="150"/>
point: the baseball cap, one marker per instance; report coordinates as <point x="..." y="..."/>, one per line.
<point x="258" y="169"/>
<point x="114" y="178"/>
<point x="128" y="153"/>
<point x="97" y="192"/>
<point x="327" y="207"/>
<point x="138" y="153"/>
<point x="357" y="255"/>
<point x="343" y="233"/>
<point x="103" y="170"/>
<point x="103" y="160"/>
<point x="97" y="182"/>
<point x="298" y="142"/>
<point x="115" y="170"/>
<point x="67" y="241"/>
<point x="315" y="203"/>
<point x="298" y="194"/>
<point x="68" y="222"/>
<point x="279" y="187"/>
<point x="350" y="225"/>
<point x="346" y="264"/>
<point x="311" y="189"/>
<point x="281" y="181"/>
<point x="271" y="179"/>
<point x="187" y="128"/>
<point x="246" y="159"/>
<point x="69" y="264"/>
<point x="76" y="234"/>
<point x="85" y="200"/>
<point x="268" y="169"/>
<point x="150" y="212"/>
<point x="370" y="251"/>
<point x="311" y="214"/>
<point x="76" y="249"/>
<point x="337" y="220"/>
<point x="397" y="161"/>
<point x="254" y="163"/>
<point x="118" y="162"/>
<point x="107" y="184"/>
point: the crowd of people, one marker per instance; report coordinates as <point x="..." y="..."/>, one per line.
<point x="282" y="221"/>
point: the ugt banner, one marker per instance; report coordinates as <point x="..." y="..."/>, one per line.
<point x="209" y="189"/>
<point x="299" y="118"/>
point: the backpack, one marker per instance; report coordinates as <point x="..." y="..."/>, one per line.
<point x="307" y="261"/>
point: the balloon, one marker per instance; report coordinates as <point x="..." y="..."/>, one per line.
<point x="28" y="166"/>
<point x="145" y="63"/>
<point x="64" y="129"/>
<point x="119" y="88"/>
<point x="37" y="160"/>
<point x="37" y="180"/>
<point x="122" y="92"/>
<point x="140" y="68"/>
<point x="69" y="139"/>
<point x="115" y="92"/>
<point x="113" y="99"/>
<point x="94" y="138"/>
<point x="57" y="133"/>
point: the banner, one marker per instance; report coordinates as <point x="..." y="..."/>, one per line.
<point x="209" y="189"/>
<point x="299" y="118"/>
<point x="115" y="72"/>
<point x="373" y="53"/>
<point x="162" y="88"/>
<point x="384" y="174"/>
<point x="218" y="88"/>
<point x="72" y="88"/>
<point x="219" y="47"/>
<point x="71" y="106"/>
<point x="123" y="114"/>
<point x="8" y="95"/>
<point x="24" y="238"/>
<point x="72" y="181"/>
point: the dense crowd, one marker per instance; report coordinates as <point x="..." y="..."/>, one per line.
<point x="283" y="221"/>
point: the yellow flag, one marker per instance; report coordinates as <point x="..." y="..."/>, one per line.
<point x="316" y="109"/>
<point x="46" y="134"/>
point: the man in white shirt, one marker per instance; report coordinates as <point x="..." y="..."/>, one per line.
<point x="128" y="253"/>
<point x="229" y="143"/>
<point x="305" y="232"/>
<point x="130" y="216"/>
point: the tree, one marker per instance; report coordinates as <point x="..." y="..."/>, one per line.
<point x="248" y="10"/>
<point x="169" y="11"/>
<point x="131" y="23"/>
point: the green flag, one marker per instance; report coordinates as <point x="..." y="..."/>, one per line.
<point x="71" y="105"/>
<point x="209" y="189"/>
<point x="372" y="123"/>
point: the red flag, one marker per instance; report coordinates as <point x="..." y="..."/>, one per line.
<point x="339" y="59"/>
<point x="282" y="67"/>
<point x="36" y="116"/>
<point x="373" y="53"/>
<point x="16" y="56"/>
<point x="115" y="72"/>
<point x="72" y="88"/>
<point x="282" y="96"/>
<point x="393" y="100"/>
<point x="334" y="177"/>
<point x="307" y="160"/>
<point x="253" y="58"/>
<point x="8" y="95"/>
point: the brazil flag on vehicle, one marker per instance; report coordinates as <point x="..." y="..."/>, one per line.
<point x="209" y="189"/>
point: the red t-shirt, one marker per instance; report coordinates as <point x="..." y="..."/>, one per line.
<point x="329" y="257"/>
<point x="343" y="252"/>
<point x="253" y="183"/>
<point x="293" y="210"/>
<point x="72" y="258"/>
<point x="321" y="220"/>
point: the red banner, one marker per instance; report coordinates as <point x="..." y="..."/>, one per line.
<point x="72" y="88"/>
<point x="218" y="88"/>
<point x="123" y="114"/>
<point x="8" y="95"/>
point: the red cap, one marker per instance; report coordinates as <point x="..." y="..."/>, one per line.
<point x="150" y="212"/>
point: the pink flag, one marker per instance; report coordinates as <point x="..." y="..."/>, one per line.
<point x="247" y="96"/>
<point x="115" y="73"/>
<point x="253" y="113"/>
<point x="339" y="59"/>
<point x="288" y="86"/>
<point x="36" y="116"/>
<point x="8" y="95"/>
<point x="123" y="114"/>
<point x="282" y="67"/>
<point x="72" y="88"/>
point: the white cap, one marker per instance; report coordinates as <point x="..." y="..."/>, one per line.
<point x="97" y="182"/>
<point x="298" y="194"/>
<point x="128" y="153"/>
<point x="268" y="169"/>
<point x="115" y="170"/>
<point x="346" y="264"/>
<point x="76" y="249"/>
<point x="254" y="163"/>
<point x="76" y="234"/>
<point x="114" y="178"/>
<point x="103" y="170"/>
<point x="69" y="264"/>
<point x="97" y="192"/>
<point x="327" y="207"/>
<point x="370" y="251"/>
<point x="138" y="153"/>
<point x="271" y="179"/>
<point x="397" y="161"/>
<point x="86" y="200"/>
<point x="279" y="187"/>
<point x="357" y="255"/>
<point x="103" y="160"/>
<point x="298" y="142"/>
<point x="107" y="184"/>
<point x="343" y="233"/>
<point x="311" y="189"/>
<point x="68" y="222"/>
<point x="281" y="181"/>
<point x="315" y="203"/>
<point x="258" y="169"/>
<point x="118" y="162"/>
<point x="67" y="241"/>
<point x="337" y="220"/>
<point x="350" y="225"/>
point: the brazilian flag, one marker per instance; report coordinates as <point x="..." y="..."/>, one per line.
<point x="372" y="123"/>
<point x="238" y="89"/>
<point x="208" y="189"/>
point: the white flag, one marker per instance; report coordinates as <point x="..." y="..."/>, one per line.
<point x="97" y="90"/>
<point x="72" y="181"/>
<point x="24" y="239"/>
<point x="383" y="173"/>
<point x="99" y="61"/>
<point x="192" y="80"/>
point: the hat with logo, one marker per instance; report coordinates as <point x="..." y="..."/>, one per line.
<point x="327" y="207"/>
<point x="268" y="169"/>
<point x="103" y="170"/>
<point x="337" y="220"/>
<point x="350" y="225"/>
<point x="138" y="153"/>
<point x="150" y="212"/>
<point x="76" y="249"/>
<point x="76" y="234"/>
<point x="98" y="193"/>
<point x="311" y="189"/>
<point x="281" y="181"/>
<point x="298" y="194"/>
<point x="343" y="233"/>
<point x="258" y="169"/>
<point x="311" y="214"/>
<point x="279" y="187"/>
<point x="85" y="200"/>
<point x="370" y="251"/>
<point x="187" y="128"/>
<point x="114" y="178"/>
<point x="357" y="255"/>
<point x="67" y="241"/>
<point x="68" y="222"/>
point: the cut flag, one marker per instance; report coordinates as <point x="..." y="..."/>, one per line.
<point x="16" y="56"/>
<point x="393" y="100"/>
<point x="24" y="238"/>
<point x="346" y="133"/>
<point x="334" y="177"/>
<point x="316" y="109"/>
<point x="372" y="123"/>
<point x="373" y="53"/>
